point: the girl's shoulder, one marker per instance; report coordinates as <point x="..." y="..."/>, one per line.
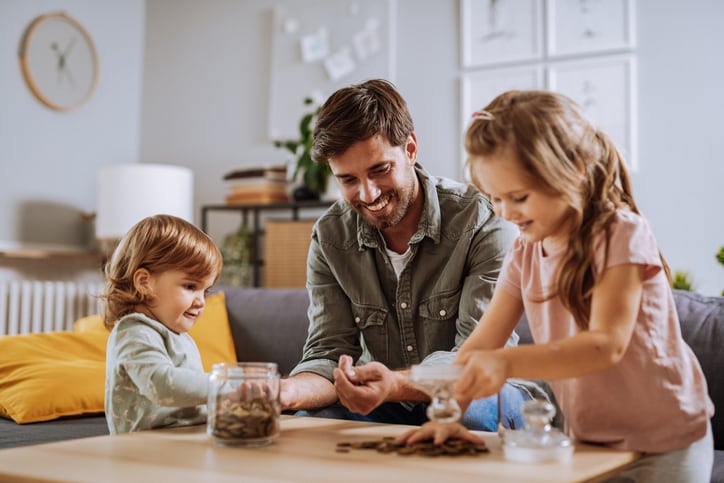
<point x="630" y="239"/>
<point x="627" y="224"/>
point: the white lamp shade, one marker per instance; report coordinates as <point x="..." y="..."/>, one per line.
<point x="127" y="193"/>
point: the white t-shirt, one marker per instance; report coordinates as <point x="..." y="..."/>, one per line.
<point x="399" y="260"/>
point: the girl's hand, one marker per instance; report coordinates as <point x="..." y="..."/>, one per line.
<point x="483" y="374"/>
<point x="439" y="433"/>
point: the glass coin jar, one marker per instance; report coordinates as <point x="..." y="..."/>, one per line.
<point x="437" y="381"/>
<point x="243" y="406"/>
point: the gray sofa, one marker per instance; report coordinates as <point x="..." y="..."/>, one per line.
<point x="271" y="325"/>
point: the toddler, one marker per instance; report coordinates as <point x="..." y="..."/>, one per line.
<point x="156" y="285"/>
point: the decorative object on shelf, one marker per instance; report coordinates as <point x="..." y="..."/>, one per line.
<point x="127" y="193"/>
<point x="314" y="175"/>
<point x="257" y="185"/>
<point x="59" y="61"/>
<point x="236" y="251"/>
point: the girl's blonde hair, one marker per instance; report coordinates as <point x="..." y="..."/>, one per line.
<point x="158" y="243"/>
<point x="563" y="154"/>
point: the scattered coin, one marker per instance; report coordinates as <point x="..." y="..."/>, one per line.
<point x="451" y="447"/>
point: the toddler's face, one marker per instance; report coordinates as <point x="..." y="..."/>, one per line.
<point x="178" y="298"/>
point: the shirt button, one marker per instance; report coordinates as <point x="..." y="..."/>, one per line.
<point x="409" y="348"/>
<point x="357" y="319"/>
<point x="403" y="305"/>
<point x="442" y="313"/>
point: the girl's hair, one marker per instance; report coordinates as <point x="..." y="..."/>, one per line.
<point x="358" y="112"/>
<point x="158" y="243"/>
<point x="555" y="145"/>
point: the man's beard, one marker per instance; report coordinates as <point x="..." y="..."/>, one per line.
<point x="404" y="197"/>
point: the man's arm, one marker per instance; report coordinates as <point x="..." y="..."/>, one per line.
<point x="307" y="390"/>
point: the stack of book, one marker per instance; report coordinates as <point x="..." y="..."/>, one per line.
<point x="258" y="185"/>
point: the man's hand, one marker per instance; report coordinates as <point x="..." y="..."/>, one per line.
<point x="362" y="388"/>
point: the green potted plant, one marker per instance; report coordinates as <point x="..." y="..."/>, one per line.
<point x="314" y="175"/>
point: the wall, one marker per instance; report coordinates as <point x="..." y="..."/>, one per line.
<point x="49" y="159"/>
<point x="204" y="96"/>
<point x="205" y="102"/>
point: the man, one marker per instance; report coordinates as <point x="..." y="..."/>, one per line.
<point x="398" y="274"/>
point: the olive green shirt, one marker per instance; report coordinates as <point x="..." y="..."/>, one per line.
<point x="359" y="307"/>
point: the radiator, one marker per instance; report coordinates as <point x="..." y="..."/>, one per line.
<point x="45" y="306"/>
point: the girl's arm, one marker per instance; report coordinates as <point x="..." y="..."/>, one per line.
<point x="496" y="324"/>
<point x="614" y="309"/>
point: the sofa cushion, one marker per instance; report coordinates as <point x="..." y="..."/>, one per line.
<point x="48" y="375"/>
<point x="268" y="324"/>
<point x="702" y="325"/>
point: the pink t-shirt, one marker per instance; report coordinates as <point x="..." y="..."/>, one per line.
<point x="655" y="399"/>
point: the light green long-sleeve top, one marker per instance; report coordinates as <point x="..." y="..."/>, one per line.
<point x="154" y="377"/>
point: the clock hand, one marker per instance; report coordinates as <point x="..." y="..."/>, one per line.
<point x="62" y="65"/>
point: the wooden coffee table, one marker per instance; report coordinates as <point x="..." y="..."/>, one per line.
<point x="305" y="451"/>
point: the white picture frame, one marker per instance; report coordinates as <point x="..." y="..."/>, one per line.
<point x="576" y="27"/>
<point x="605" y="88"/>
<point x="480" y="87"/>
<point x="496" y="32"/>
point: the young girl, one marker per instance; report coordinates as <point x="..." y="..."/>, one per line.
<point x="156" y="286"/>
<point x="587" y="271"/>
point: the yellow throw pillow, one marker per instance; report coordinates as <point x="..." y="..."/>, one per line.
<point x="48" y="375"/>
<point x="211" y="332"/>
<point x="92" y="323"/>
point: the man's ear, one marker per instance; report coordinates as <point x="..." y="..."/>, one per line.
<point x="411" y="148"/>
<point x="142" y="281"/>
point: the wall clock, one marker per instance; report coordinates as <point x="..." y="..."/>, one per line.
<point x="59" y="61"/>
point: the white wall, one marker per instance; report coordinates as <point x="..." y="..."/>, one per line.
<point x="205" y="94"/>
<point x="49" y="159"/>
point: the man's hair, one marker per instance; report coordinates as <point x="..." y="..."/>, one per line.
<point x="357" y="113"/>
<point x="158" y="243"/>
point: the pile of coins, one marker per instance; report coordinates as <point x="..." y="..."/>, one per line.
<point x="451" y="447"/>
<point x="256" y="418"/>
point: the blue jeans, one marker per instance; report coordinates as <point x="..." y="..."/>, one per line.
<point x="482" y="414"/>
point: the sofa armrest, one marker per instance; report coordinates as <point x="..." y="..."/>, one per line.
<point x="702" y="325"/>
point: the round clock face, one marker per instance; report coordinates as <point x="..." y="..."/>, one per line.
<point x="59" y="61"/>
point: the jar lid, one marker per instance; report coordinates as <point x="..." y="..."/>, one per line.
<point x="538" y="441"/>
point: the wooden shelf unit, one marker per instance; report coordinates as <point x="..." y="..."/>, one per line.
<point x="251" y="216"/>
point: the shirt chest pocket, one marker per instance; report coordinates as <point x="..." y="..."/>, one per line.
<point x="438" y="314"/>
<point x="440" y="307"/>
<point x="370" y="321"/>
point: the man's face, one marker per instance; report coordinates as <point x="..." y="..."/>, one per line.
<point x="378" y="180"/>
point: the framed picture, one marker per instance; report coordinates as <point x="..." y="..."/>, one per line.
<point x="606" y="89"/>
<point x="589" y="26"/>
<point x="500" y="31"/>
<point x="481" y="87"/>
